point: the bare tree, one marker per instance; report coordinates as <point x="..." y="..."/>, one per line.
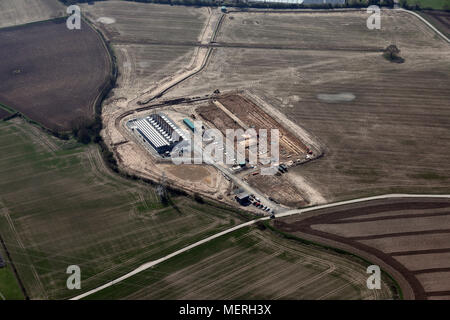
<point x="391" y="53"/>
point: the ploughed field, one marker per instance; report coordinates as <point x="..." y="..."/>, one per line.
<point x="51" y="74"/>
<point x="144" y="37"/>
<point x="16" y="12"/>
<point x="440" y="19"/>
<point x="3" y="113"/>
<point x="409" y="238"/>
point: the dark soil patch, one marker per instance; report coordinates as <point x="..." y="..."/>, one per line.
<point x="51" y="74"/>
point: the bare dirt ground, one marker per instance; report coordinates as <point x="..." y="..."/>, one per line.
<point x="254" y="117"/>
<point x="217" y="118"/>
<point x="375" y="142"/>
<point x="139" y="34"/>
<point x="16" y="12"/>
<point x="379" y="142"/>
<point x="190" y="172"/>
<point x="408" y="237"/>
<point x="238" y="111"/>
<point x="278" y="188"/>
<point x="52" y="74"/>
<point x="325" y="30"/>
<point x="309" y="193"/>
<point x="201" y="179"/>
<point x="3" y="113"/>
<point x="203" y="176"/>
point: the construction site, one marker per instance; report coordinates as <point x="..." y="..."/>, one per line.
<point x="235" y="111"/>
<point x="159" y="130"/>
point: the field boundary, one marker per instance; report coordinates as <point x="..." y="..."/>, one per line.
<point x="109" y="84"/>
<point x="27" y="119"/>
<point x="428" y="16"/>
<point x="34" y="22"/>
<point x="426" y="22"/>
<point x="16" y="273"/>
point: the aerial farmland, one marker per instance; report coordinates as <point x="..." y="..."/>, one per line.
<point x="354" y="173"/>
<point x="43" y="68"/>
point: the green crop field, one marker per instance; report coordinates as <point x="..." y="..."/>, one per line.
<point x="59" y="206"/>
<point x="9" y="288"/>
<point x="251" y="263"/>
<point x="430" y="4"/>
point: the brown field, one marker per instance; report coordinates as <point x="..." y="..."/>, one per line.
<point x="140" y="22"/>
<point x="52" y="74"/>
<point x="16" y="12"/>
<point x="217" y="117"/>
<point x="407" y="237"/>
<point x="278" y="188"/>
<point x="440" y="19"/>
<point x="325" y="30"/>
<point x="144" y="37"/>
<point x="3" y="113"/>
<point x="379" y="123"/>
<point x="189" y="172"/>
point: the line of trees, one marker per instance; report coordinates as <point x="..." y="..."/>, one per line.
<point x="271" y="5"/>
<point x="418" y="7"/>
<point x="261" y="5"/>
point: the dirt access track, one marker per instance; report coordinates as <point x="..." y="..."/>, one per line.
<point x="408" y="238"/>
<point x="51" y="74"/>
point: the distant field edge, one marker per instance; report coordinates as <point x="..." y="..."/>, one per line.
<point x="428" y="15"/>
<point x="427" y="22"/>
<point x="14" y="112"/>
<point x="111" y="82"/>
<point x="14" y="270"/>
<point x="426" y="4"/>
<point x="18" y="26"/>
